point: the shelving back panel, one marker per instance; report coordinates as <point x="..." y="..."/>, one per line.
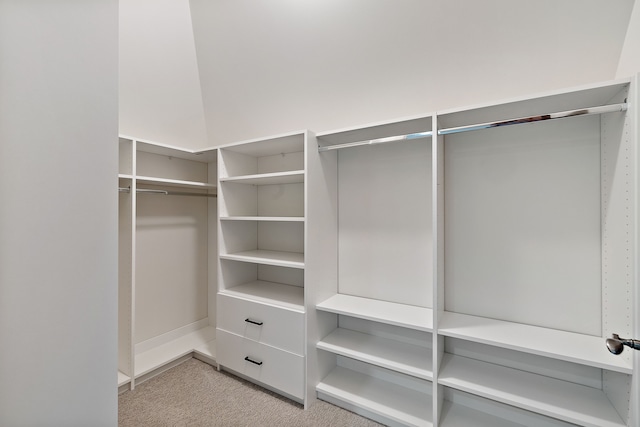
<point x="384" y="231"/>
<point x="125" y="152"/>
<point x="280" y="236"/>
<point x="567" y="371"/>
<point x="284" y="275"/>
<point x="236" y="273"/>
<point x="155" y="165"/>
<point x="522" y="224"/>
<point x="281" y="200"/>
<point x="398" y="333"/>
<point x="463" y="409"/>
<point x="277" y="154"/>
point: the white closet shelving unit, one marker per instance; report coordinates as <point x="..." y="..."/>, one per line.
<point x="481" y="266"/>
<point x="167" y="244"/>
<point x="261" y="308"/>
<point x="376" y="322"/>
<point x="453" y="269"/>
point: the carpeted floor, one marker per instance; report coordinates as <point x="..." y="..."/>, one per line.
<point x="196" y="394"/>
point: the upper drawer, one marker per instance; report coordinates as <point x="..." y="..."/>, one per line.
<point x="275" y="326"/>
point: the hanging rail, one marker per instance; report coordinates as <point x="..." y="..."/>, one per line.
<point x="396" y="138"/>
<point x="165" y="192"/>
<point x="561" y="115"/>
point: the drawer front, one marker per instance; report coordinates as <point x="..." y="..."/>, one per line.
<point x="277" y="368"/>
<point x="274" y="326"/>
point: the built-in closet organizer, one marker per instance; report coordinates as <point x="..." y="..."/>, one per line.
<point x="262" y="202"/>
<point x="484" y="255"/>
<point x="167" y="258"/>
<point x="375" y="323"/>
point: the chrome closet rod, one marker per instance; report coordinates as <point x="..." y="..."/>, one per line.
<point x="395" y="138"/>
<point x="613" y="108"/>
<point x="165" y="192"/>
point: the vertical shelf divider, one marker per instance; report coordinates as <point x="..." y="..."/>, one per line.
<point x="438" y="265"/>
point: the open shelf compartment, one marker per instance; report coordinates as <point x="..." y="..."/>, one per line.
<point x="574" y="403"/>
<point x="394" y="403"/>
<point x="568" y="346"/>
<point x="408" y="316"/>
<point x="387" y="353"/>
<point x="287" y="296"/>
<point x="201" y="340"/>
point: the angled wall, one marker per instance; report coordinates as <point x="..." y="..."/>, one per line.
<point x="160" y="97"/>
<point x="629" y="63"/>
<point x="283" y="65"/>
<point x="58" y="212"/>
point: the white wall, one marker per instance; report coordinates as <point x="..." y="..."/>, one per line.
<point x="629" y="63"/>
<point x="160" y="97"/>
<point x="58" y="201"/>
<point x="274" y="66"/>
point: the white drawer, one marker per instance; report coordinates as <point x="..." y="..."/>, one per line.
<point x="279" y="369"/>
<point x="275" y="326"/>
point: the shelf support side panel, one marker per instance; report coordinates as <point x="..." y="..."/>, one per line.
<point x="321" y="256"/>
<point x="634" y="115"/>
<point x="126" y="230"/>
<point x="438" y="265"/>
<point x="618" y="253"/>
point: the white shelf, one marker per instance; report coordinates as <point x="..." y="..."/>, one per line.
<point x="264" y="218"/>
<point x="288" y="177"/>
<point x="377" y="130"/>
<point x="568" y="346"/>
<point x="280" y="259"/>
<point x="276" y="144"/>
<point x="125" y="176"/>
<point x="455" y="415"/>
<point x="207" y="350"/>
<point x="387" y="353"/>
<point x="123" y="379"/>
<point x="407" y="316"/>
<point x="566" y="401"/>
<point x="174" y="183"/>
<point x="401" y="404"/>
<point x="288" y="296"/>
<point x="156" y="357"/>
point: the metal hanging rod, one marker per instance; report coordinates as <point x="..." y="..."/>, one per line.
<point x="561" y="115"/>
<point x="396" y="138"/>
<point x="165" y="192"/>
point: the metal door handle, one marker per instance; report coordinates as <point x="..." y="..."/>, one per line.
<point x="255" y="362"/>
<point x="615" y="344"/>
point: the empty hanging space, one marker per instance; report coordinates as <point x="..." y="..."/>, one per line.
<point x="167" y="273"/>
<point x="375" y="321"/>
<point x="536" y="195"/>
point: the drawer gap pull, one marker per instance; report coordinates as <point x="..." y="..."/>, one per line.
<point x="248" y="359"/>
<point x="253" y="322"/>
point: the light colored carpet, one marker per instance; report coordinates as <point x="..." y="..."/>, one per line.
<point x="196" y="394"/>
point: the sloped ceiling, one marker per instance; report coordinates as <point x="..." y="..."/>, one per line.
<point x="160" y="96"/>
<point x="268" y="67"/>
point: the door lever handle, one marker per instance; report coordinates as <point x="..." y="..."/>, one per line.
<point x="615" y="344"/>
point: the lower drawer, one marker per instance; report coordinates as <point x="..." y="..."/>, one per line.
<point x="276" y="368"/>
